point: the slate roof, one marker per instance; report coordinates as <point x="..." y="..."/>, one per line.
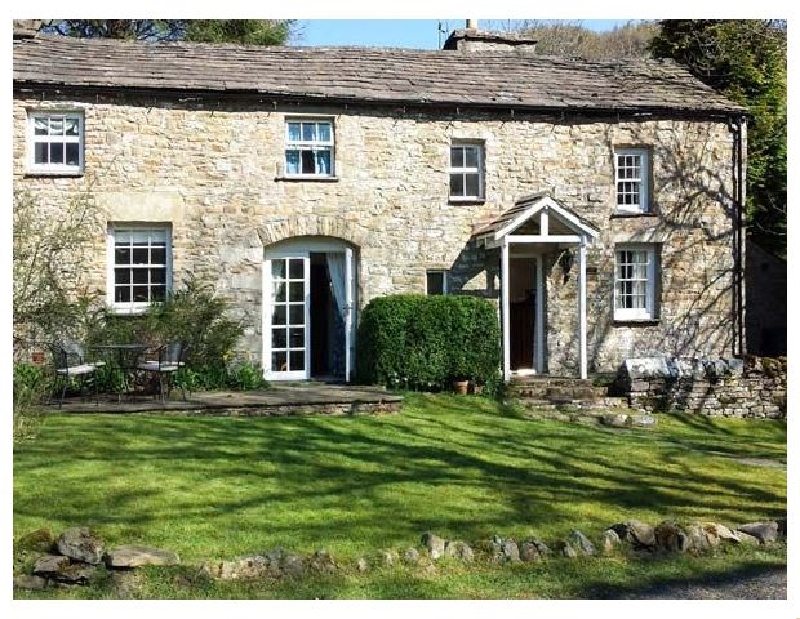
<point x="368" y="75"/>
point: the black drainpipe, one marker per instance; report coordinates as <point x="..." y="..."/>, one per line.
<point x="738" y="241"/>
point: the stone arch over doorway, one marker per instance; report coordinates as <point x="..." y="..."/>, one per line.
<point x="310" y="225"/>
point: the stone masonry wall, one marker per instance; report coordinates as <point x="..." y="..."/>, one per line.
<point x="753" y="387"/>
<point x="213" y="171"/>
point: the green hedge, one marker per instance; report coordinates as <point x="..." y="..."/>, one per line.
<point x="417" y="341"/>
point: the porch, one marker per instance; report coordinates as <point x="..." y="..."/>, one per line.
<point x="281" y="400"/>
<point x="536" y="224"/>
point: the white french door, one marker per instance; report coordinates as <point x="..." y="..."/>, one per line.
<point x="286" y="316"/>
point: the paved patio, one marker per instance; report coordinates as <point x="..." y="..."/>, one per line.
<point x="281" y="400"/>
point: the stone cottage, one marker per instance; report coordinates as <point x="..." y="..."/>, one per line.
<point x="597" y="203"/>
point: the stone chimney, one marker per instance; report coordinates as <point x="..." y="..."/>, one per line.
<point x="471" y="39"/>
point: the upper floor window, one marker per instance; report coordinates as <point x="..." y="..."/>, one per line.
<point x="309" y="148"/>
<point x="55" y="142"/>
<point x="632" y="171"/>
<point x="466" y="171"/>
<point x="140" y="266"/>
<point x="635" y="283"/>
<point x="436" y="282"/>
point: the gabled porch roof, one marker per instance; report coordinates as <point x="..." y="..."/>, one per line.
<point x="537" y="209"/>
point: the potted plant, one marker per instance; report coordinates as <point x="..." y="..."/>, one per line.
<point x="460" y="373"/>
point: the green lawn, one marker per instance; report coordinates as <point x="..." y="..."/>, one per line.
<point x="463" y="467"/>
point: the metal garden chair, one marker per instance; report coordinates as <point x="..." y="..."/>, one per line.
<point x="69" y="361"/>
<point x="171" y="358"/>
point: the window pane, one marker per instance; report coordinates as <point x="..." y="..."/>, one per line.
<point x="41" y="152"/>
<point x="279" y="338"/>
<point x="323" y="162"/>
<point x="56" y="125"/>
<point x="297" y="360"/>
<point x="140" y="255"/>
<point x="296" y="268"/>
<point x="279" y="315"/>
<point x="40" y="125"/>
<point x="73" y="153"/>
<point x="297" y="338"/>
<point x="158" y="276"/>
<point x="279" y="290"/>
<point x="294" y="132"/>
<point x="296" y="291"/>
<point x="324" y="132"/>
<point x="140" y="294"/>
<point x="158" y="255"/>
<point x="471" y="157"/>
<point x="71" y="126"/>
<point x="456" y="157"/>
<point x="307" y="162"/>
<point x="279" y="362"/>
<point x="122" y="276"/>
<point x="122" y="294"/>
<point x="139" y="276"/>
<point x="122" y="255"/>
<point x="297" y="314"/>
<point x="57" y="153"/>
<point x="435" y="283"/>
<point x="158" y="293"/>
<point x="473" y="185"/>
<point x="278" y="269"/>
<point x="456" y="185"/>
<point x="309" y="132"/>
<point x="292" y="162"/>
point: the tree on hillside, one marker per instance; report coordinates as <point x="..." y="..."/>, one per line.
<point x="249" y="31"/>
<point x="571" y="39"/>
<point x="746" y="61"/>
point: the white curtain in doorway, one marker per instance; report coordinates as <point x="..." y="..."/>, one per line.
<point x="336" y="270"/>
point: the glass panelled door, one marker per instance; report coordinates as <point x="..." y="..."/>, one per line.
<point x="287" y="316"/>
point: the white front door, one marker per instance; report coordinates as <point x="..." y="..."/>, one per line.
<point x="286" y="316"/>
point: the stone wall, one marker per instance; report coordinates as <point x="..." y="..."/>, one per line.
<point x="753" y="387"/>
<point x="214" y="172"/>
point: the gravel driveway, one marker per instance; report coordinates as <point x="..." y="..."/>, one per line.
<point x="767" y="585"/>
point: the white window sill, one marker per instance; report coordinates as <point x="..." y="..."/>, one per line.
<point x="307" y="177"/>
<point x="623" y="321"/>
<point x="623" y="213"/>
<point x="68" y="172"/>
<point x="129" y="310"/>
<point x="467" y="200"/>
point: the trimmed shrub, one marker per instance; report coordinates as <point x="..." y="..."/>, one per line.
<point x="425" y="342"/>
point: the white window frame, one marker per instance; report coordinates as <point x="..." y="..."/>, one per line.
<point x="314" y="146"/>
<point x="636" y="313"/>
<point x="466" y="170"/>
<point x="33" y="140"/>
<point x="113" y="230"/>
<point x="643" y="180"/>
<point x="444" y="274"/>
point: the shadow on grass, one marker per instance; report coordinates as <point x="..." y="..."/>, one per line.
<point x="459" y="466"/>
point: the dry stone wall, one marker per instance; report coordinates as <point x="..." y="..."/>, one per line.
<point x="213" y="172"/>
<point x="753" y="387"/>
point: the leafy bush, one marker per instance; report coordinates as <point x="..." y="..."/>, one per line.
<point x="31" y="385"/>
<point x="417" y="341"/>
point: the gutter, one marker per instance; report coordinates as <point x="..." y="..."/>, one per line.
<point x="510" y="107"/>
<point x="738" y="240"/>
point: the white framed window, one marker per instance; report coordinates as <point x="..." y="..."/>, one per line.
<point x="139" y="266"/>
<point x="632" y="174"/>
<point x="466" y="171"/>
<point x="309" y="148"/>
<point x="436" y="282"/>
<point x="55" y="142"/>
<point x="634" y="282"/>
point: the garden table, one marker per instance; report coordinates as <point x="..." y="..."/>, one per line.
<point x="127" y="359"/>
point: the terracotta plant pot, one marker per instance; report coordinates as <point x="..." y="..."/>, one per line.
<point x="461" y="386"/>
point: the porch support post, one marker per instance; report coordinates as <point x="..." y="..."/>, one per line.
<point x="582" y="304"/>
<point x="504" y="308"/>
<point x="540" y="288"/>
